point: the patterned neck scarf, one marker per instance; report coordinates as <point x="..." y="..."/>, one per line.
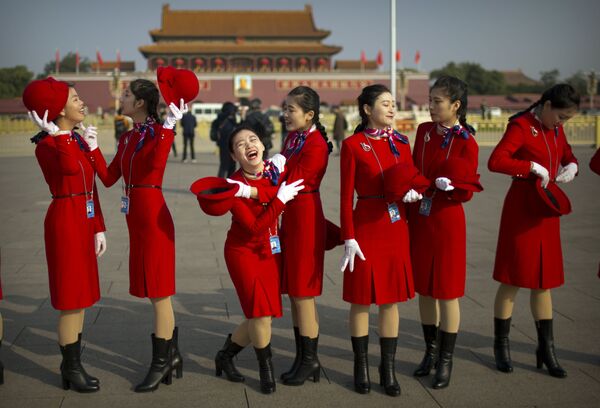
<point x="142" y="129"/>
<point x="297" y="142"/>
<point x="270" y="172"/>
<point x="449" y="133"/>
<point x="389" y="134"/>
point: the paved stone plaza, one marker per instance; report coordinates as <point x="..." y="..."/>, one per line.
<point x="117" y="331"/>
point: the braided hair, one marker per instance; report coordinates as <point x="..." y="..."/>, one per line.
<point x="368" y="96"/>
<point x="456" y="90"/>
<point x="561" y="96"/>
<point x="148" y="92"/>
<point x="309" y="100"/>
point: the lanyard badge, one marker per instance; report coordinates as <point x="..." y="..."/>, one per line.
<point x="275" y="244"/>
<point x="89" y="208"/>
<point x="125" y="205"/>
<point x="425" y="206"/>
<point x="393" y="212"/>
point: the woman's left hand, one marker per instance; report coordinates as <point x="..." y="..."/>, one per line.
<point x="279" y="161"/>
<point x="100" y="242"/>
<point x="90" y="135"/>
<point x="444" y="184"/>
<point x="175" y="114"/>
<point x="567" y="173"/>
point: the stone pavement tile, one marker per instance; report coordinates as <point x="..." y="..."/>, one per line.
<point x="26" y="402"/>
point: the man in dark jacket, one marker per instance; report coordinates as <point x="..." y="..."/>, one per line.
<point x="225" y="123"/>
<point x="188" y="123"/>
<point x="261" y="124"/>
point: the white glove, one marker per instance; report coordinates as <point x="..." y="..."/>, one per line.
<point x="287" y="192"/>
<point x="100" y="241"/>
<point x="43" y="124"/>
<point x="541" y="172"/>
<point x="567" y="173"/>
<point x="279" y="161"/>
<point x="244" y="191"/>
<point x="351" y="249"/>
<point x="444" y="184"/>
<point x="175" y="114"/>
<point x="90" y="135"/>
<point x="411" y="196"/>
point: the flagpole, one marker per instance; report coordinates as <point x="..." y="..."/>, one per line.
<point x="393" y="48"/>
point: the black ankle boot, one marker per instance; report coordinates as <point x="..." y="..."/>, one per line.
<point x="1" y="368"/>
<point x="309" y="365"/>
<point x="387" y="369"/>
<point x="224" y="361"/>
<point x="444" y="366"/>
<point x="501" y="345"/>
<point x="267" y="377"/>
<point x="89" y="378"/>
<point x="176" y="360"/>
<point x="160" y="368"/>
<point x="298" y="357"/>
<point x="360" y="347"/>
<point x="545" y="350"/>
<point x="430" y="333"/>
<point x="72" y="372"/>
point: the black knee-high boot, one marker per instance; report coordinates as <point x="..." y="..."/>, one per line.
<point x="430" y="333"/>
<point x="160" y="368"/>
<point x="360" y="347"/>
<point x="309" y="365"/>
<point x="501" y="345"/>
<point x="176" y="360"/>
<point x="387" y="369"/>
<point x="71" y="370"/>
<point x="444" y="366"/>
<point x="545" y="354"/>
<point x="224" y="361"/>
<point x="267" y="377"/>
<point x="298" y="357"/>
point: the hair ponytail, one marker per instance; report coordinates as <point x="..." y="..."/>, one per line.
<point x="145" y="90"/>
<point x="309" y="100"/>
<point x="561" y="96"/>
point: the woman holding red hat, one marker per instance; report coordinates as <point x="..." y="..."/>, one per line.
<point x="252" y="255"/>
<point x="529" y="253"/>
<point x="74" y="226"/>
<point x="376" y="232"/>
<point x="303" y="226"/>
<point x="445" y="151"/>
<point x="140" y="162"/>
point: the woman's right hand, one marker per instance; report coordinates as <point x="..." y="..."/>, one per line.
<point x="90" y="135"/>
<point x="541" y="172"/>
<point x="351" y="249"/>
<point x="287" y="192"/>
<point x="44" y="125"/>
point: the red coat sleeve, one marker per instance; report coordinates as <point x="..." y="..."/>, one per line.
<point x="98" y="216"/>
<point x="347" y="178"/>
<point x="256" y="225"/>
<point x="109" y="175"/>
<point x="567" y="156"/>
<point x="595" y="163"/>
<point x="162" y="148"/>
<point x="470" y="153"/>
<point x="314" y="155"/>
<point x="502" y="161"/>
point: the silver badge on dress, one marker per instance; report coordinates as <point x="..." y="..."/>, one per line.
<point x="365" y="147"/>
<point x="534" y="131"/>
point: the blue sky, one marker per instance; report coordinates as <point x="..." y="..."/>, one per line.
<point x="532" y="35"/>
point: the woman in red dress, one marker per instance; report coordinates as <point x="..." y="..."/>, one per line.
<point x="74" y="226"/>
<point x="303" y="227"/>
<point x="252" y="255"/>
<point x="376" y="232"/>
<point x="437" y="223"/>
<point x="529" y="253"/>
<point x="140" y="162"/>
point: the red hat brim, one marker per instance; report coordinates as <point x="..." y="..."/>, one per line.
<point x="556" y="202"/>
<point x="176" y="84"/>
<point x="46" y="95"/>
<point x="215" y="195"/>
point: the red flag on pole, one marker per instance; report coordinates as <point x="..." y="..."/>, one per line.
<point x="99" y="58"/>
<point x="118" y="59"/>
<point x="379" y="57"/>
<point x="363" y="57"/>
<point x="57" y="62"/>
<point x="77" y="62"/>
<point x="417" y="57"/>
<point x="398" y="55"/>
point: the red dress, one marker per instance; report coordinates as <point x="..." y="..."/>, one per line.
<point x="529" y="253"/>
<point x="254" y="270"/>
<point x="438" y="242"/>
<point x="386" y="274"/>
<point x="68" y="232"/>
<point x="595" y="162"/>
<point x="303" y="227"/>
<point x="151" y="230"/>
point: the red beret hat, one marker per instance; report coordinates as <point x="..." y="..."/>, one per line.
<point x="46" y="95"/>
<point x="555" y="200"/>
<point x="461" y="174"/>
<point x="215" y="195"/>
<point x="175" y="84"/>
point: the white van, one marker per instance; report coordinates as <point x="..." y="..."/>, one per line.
<point x="206" y="112"/>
